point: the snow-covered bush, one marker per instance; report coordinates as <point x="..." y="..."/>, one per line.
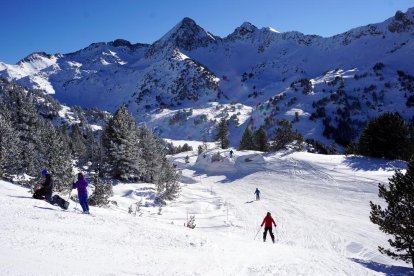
<point x="180" y="116"/>
<point x="216" y="157"/>
<point x="191" y="222"/>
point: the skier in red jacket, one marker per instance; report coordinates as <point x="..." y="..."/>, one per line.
<point x="268" y="221"/>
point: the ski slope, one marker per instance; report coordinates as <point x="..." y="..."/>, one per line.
<point x="320" y="203"/>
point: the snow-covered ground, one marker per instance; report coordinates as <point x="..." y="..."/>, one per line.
<point x="320" y="203"/>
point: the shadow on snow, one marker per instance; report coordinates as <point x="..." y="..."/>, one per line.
<point x="358" y="163"/>
<point x="387" y="269"/>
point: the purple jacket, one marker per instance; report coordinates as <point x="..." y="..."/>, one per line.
<point x="81" y="185"/>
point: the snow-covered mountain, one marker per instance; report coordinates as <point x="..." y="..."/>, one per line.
<point x="256" y="76"/>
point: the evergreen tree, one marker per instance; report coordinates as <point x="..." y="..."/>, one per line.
<point x="77" y="142"/>
<point x="58" y="158"/>
<point x="397" y="219"/>
<point x="166" y="181"/>
<point x="222" y="136"/>
<point x="103" y="190"/>
<point x="284" y="135"/>
<point x="121" y="146"/>
<point x="247" y="142"/>
<point x="63" y="132"/>
<point x="92" y="147"/>
<point x="9" y="147"/>
<point x="25" y="121"/>
<point x="152" y="153"/>
<point x="385" y="137"/>
<point x="260" y="140"/>
<point x="199" y="149"/>
<point x="186" y="147"/>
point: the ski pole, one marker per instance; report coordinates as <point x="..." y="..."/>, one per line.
<point x="258" y="232"/>
<point x="74" y="181"/>
<point x="70" y="192"/>
<point x="277" y="235"/>
<point x="71" y="187"/>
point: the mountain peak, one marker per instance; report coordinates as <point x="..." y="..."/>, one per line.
<point x="35" y="56"/>
<point x="121" y="43"/>
<point x="247" y="26"/>
<point x="402" y="22"/>
<point x="186" y="35"/>
<point x="245" y="30"/>
<point x="187" y="22"/>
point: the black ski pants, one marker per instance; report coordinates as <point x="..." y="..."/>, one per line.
<point x="270" y="232"/>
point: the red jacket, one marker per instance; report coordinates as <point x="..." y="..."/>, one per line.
<point x="267" y="221"/>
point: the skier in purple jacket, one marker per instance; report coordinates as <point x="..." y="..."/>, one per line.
<point x="81" y="185"/>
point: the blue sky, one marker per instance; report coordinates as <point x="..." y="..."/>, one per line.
<point x="63" y="26"/>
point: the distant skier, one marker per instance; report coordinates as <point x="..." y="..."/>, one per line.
<point x="268" y="221"/>
<point x="231" y="153"/>
<point x="257" y="193"/>
<point x="81" y="185"/>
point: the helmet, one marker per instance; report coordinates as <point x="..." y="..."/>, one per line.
<point x="45" y="172"/>
<point x="268" y="213"/>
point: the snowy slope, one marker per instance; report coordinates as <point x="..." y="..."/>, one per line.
<point x="321" y="205"/>
<point x="190" y="68"/>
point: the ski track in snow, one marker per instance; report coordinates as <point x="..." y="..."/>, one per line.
<point x="320" y="204"/>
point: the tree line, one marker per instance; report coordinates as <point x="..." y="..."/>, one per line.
<point x="258" y="140"/>
<point x="387" y="136"/>
<point x="121" y="151"/>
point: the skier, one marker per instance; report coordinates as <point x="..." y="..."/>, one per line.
<point x="231" y="153"/>
<point x="257" y="193"/>
<point x="45" y="191"/>
<point x="81" y="185"/>
<point x="268" y="221"/>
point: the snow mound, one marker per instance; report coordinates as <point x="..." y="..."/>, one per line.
<point x="215" y="161"/>
<point x="220" y="161"/>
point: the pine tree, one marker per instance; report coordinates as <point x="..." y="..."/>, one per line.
<point x="284" y="135"/>
<point x="58" y="157"/>
<point x="222" y="136"/>
<point x="166" y="181"/>
<point x="247" y="142"/>
<point x="120" y="141"/>
<point x="397" y="219"/>
<point x="260" y="140"/>
<point x="385" y="137"/>
<point x="199" y="149"/>
<point x="63" y="132"/>
<point x="152" y="153"/>
<point x="77" y="142"/>
<point x="9" y="147"/>
<point x="25" y="121"/>
<point x="103" y="190"/>
<point x="92" y="147"/>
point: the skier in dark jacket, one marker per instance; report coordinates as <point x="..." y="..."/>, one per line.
<point x="45" y="192"/>
<point x="268" y="221"/>
<point x="81" y="185"/>
<point x="257" y="193"/>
